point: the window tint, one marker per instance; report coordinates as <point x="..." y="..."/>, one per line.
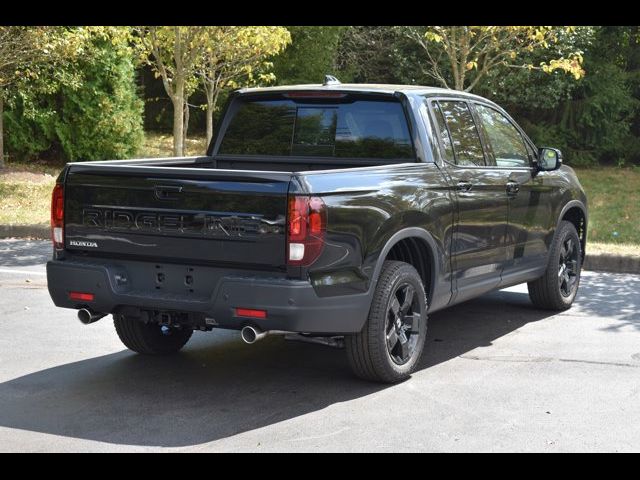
<point x="260" y="128"/>
<point x="315" y="131"/>
<point x="467" y="147"/>
<point x="507" y="145"/>
<point x="444" y="134"/>
<point x="358" y="129"/>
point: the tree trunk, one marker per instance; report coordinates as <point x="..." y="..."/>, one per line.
<point x="178" y="125"/>
<point x="458" y="75"/>
<point x="1" y="132"/>
<point x="209" y="115"/>
<point x="459" y="83"/>
<point x="212" y="101"/>
<point x="178" y="119"/>
<point x="185" y="128"/>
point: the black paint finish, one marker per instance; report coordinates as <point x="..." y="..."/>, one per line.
<point x="478" y="228"/>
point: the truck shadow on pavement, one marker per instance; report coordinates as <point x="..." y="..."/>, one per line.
<point x="24" y="253"/>
<point x="616" y="296"/>
<point x="218" y="387"/>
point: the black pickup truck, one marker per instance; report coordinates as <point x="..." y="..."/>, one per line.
<point x="325" y="210"/>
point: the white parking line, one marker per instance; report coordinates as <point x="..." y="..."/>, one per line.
<point x="22" y="272"/>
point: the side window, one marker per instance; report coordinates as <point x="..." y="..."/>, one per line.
<point x="532" y="152"/>
<point x="507" y="145"/>
<point x="444" y="134"/>
<point x="467" y="148"/>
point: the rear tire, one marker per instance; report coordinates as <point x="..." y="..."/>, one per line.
<point x="150" y="338"/>
<point x="389" y="347"/>
<point x="558" y="287"/>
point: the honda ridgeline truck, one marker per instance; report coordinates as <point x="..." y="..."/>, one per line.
<point x="326" y="210"/>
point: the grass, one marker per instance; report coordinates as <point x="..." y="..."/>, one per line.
<point x="613" y="194"/>
<point x="614" y="204"/>
<point x="25" y="202"/>
<point x="161" y="145"/>
<point x="626" y="249"/>
<point x="25" y="187"/>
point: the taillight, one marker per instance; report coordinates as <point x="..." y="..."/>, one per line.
<point x="57" y="216"/>
<point x="306" y="229"/>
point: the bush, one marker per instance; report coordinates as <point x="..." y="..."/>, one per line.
<point x="100" y="119"/>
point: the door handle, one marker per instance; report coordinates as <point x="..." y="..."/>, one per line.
<point x="167" y="192"/>
<point x="513" y="188"/>
<point x="464" y="186"/>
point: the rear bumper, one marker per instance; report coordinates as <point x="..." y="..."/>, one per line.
<point x="291" y="305"/>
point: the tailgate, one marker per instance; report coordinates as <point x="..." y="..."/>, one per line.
<point x="207" y="216"/>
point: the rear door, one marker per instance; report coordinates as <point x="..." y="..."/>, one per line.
<point x="478" y="247"/>
<point x="204" y="216"/>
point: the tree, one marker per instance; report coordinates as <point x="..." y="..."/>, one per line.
<point x="237" y="55"/>
<point x="102" y="119"/>
<point x="17" y="48"/>
<point x="311" y="54"/>
<point x="174" y="53"/>
<point x="84" y="106"/>
<point x="367" y="54"/>
<point x="595" y="124"/>
<point x="461" y="56"/>
<point x="25" y="51"/>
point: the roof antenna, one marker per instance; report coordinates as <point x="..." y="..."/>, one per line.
<point x="330" y="80"/>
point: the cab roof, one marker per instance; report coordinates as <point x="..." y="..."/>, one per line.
<point x="381" y="88"/>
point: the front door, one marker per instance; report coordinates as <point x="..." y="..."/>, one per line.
<point x="529" y="213"/>
<point x="478" y="248"/>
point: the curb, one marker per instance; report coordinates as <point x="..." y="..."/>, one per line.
<point x="598" y="263"/>
<point x="604" y="262"/>
<point x="41" y="232"/>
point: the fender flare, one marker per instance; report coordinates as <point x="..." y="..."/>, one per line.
<point x="409" y="232"/>
<point x="583" y="208"/>
<point x="571" y="204"/>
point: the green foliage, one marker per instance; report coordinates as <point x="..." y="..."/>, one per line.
<point x="592" y="121"/>
<point x="100" y="118"/>
<point x="79" y="101"/>
<point x="614" y="204"/>
<point x="378" y="54"/>
<point x="461" y="57"/>
<point x="103" y="119"/>
<point x="310" y="56"/>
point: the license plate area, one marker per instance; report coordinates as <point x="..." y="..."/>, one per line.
<point x="169" y="280"/>
<point x="175" y="279"/>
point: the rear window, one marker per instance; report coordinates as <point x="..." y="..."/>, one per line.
<point x="358" y="129"/>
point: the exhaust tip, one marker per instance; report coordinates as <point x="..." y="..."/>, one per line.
<point x="249" y="335"/>
<point x="84" y="315"/>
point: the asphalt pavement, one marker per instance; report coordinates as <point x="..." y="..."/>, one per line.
<point x="497" y="375"/>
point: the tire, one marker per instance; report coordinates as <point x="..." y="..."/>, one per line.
<point x="377" y="352"/>
<point x="149" y="338"/>
<point x="558" y="287"/>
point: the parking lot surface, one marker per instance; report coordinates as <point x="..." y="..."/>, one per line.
<point x="497" y="375"/>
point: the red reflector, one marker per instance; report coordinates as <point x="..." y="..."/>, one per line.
<point x="249" y="312"/>
<point x="83" y="297"/>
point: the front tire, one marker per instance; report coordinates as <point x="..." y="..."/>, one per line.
<point x="558" y="287"/>
<point x="390" y="345"/>
<point x="150" y="338"/>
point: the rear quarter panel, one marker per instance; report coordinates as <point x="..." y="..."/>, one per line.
<point x="366" y="208"/>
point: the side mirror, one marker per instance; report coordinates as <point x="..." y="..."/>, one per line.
<point x="549" y="159"/>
